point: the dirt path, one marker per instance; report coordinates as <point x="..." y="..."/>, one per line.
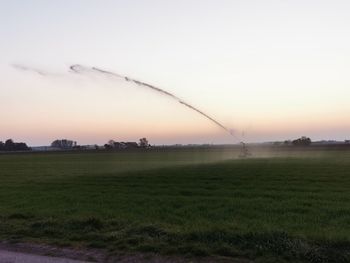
<point x="18" y="257"/>
<point x="28" y="253"/>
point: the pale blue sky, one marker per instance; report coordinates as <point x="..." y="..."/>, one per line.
<point x="275" y="69"/>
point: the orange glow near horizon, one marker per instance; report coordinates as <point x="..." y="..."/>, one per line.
<point x="268" y="71"/>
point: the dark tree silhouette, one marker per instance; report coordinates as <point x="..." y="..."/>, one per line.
<point x="10" y="145"/>
<point x="64" y="144"/>
<point x="303" y="141"/>
<point x="108" y="146"/>
<point x="143" y="143"/>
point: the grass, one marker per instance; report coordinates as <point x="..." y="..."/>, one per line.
<point x="184" y="202"/>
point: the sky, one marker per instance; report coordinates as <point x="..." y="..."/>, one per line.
<point x="268" y="70"/>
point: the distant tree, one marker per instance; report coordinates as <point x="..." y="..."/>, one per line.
<point x="108" y="146"/>
<point x="63" y="144"/>
<point x="131" y="145"/>
<point x="10" y="145"/>
<point x="303" y="141"/>
<point x="111" y="143"/>
<point x="144" y="143"/>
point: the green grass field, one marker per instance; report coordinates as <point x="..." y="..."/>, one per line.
<point x="281" y="207"/>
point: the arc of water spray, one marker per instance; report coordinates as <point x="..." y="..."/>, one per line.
<point x="24" y="68"/>
<point x="81" y="69"/>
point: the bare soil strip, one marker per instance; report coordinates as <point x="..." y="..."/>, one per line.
<point x="28" y="253"/>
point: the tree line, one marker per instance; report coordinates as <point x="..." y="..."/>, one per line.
<point x="143" y="143"/>
<point x="10" y="145"/>
<point x="302" y="141"/>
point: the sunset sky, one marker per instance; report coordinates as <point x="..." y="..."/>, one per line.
<point x="268" y="70"/>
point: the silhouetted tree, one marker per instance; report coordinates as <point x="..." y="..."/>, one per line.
<point x="63" y="144"/>
<point x="303" y="141"/>
<point x="131" y="144"/>
<point x="10" y="145"/>
<point x="108" y="146"/>
<point x="144" y="143"/>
